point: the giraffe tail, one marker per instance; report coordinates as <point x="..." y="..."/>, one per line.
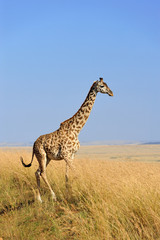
<point x="27" y="165"/>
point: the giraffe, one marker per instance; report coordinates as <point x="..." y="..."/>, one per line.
<point x="63" y="143"/>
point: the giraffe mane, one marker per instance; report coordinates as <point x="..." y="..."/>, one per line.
<point x="71" y="118"/>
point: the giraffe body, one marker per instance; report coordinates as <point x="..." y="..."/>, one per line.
<point x="57" y="145"/>
<point x="63" y="143"/>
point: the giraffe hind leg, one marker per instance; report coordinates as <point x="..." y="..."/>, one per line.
<point x="44" y="177"/>
<point x="37" y="174"/>
<point x="41" y="172"/>
<point x="44" y="162"/>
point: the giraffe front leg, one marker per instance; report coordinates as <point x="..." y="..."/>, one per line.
<point x="69" y="165"/>
<point x="67" y="173"/>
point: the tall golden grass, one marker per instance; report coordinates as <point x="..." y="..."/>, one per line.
<point x="115" y="199"/>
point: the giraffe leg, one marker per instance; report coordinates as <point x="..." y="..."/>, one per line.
<point x="44" y="177"/>
<point x="69" y="164"/>
<point x="67" y="173"/>
<point x="37" y="173"/>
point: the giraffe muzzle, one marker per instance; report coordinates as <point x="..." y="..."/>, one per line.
<point x="110" y="93"/>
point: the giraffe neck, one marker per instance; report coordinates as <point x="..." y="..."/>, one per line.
<point x="79" y="119"/>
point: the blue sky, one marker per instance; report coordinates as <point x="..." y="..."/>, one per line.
<point x="52" y="51"/>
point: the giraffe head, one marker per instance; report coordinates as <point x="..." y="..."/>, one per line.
<point x="102" y="87"/>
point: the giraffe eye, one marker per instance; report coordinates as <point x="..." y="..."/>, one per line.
<point x="102" y="86"/>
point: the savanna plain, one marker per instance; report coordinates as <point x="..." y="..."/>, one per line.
<point x="114" y="193"/>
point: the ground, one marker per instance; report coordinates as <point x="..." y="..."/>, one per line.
<point x="113" y="194"/>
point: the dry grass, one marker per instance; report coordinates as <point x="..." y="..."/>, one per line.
<point x="118" y="199"/>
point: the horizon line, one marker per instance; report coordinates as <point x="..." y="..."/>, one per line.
<point x="89" y="143"/>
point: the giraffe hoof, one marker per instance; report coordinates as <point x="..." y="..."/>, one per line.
<point x="54" y="196"/>
<point x="39" y="199"/>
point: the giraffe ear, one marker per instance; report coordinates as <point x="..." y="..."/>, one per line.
<point x="96" y="81"/>
<point x="101" y="79"/>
